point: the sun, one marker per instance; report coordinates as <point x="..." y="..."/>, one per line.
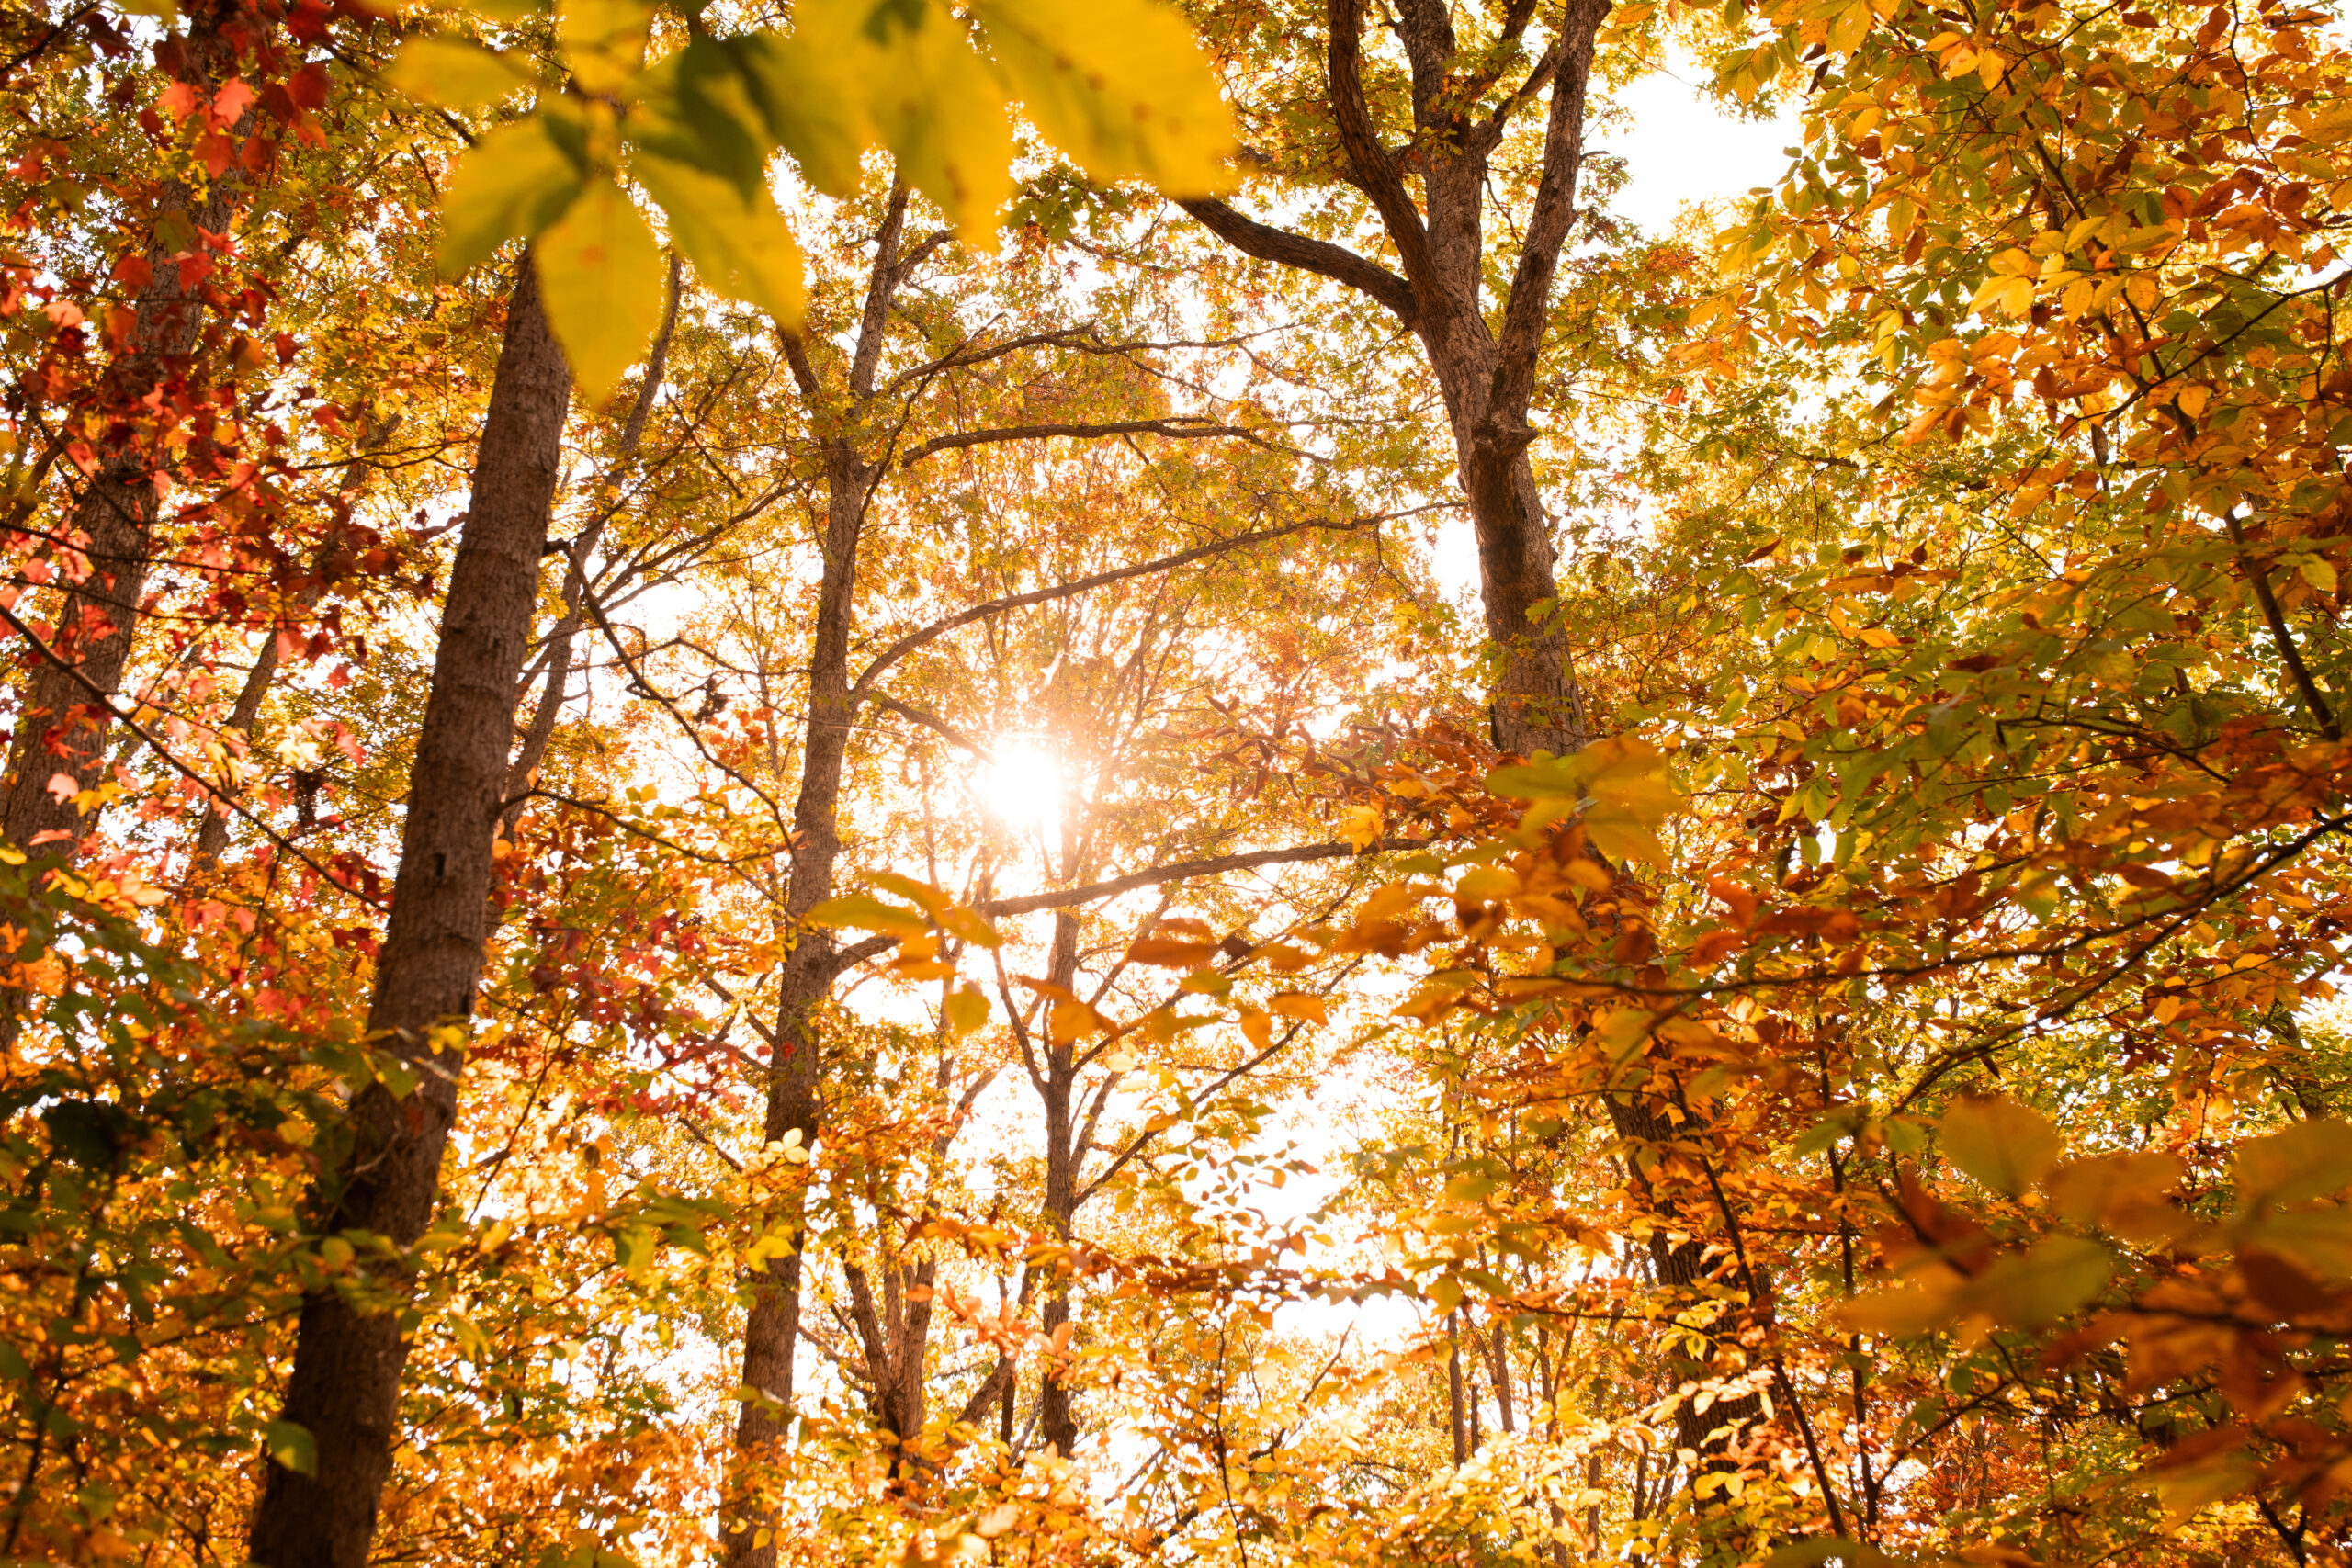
<point x="1020" y="784"/>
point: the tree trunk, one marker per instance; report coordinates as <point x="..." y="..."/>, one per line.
<point x="346" y="1385"/>
<point x="60" y="731"/>
<point x="1056" y="1419"/>
<point x="771" y="1329"/>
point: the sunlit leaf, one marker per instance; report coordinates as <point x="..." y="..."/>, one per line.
<point x="1120" y="85"/>
<point x="453" y="73"/>
<point x="601" y="282"/>
<point x="510" y="185"/>
<point x="2002" y="1144"/>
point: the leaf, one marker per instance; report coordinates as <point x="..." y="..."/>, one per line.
<point x="2042" y="1284"/>
<point x="1298" y="1005"/>
<point x="2305" y="1159"/>
<point x="811" y="91"/>
<point x="1626" y="793"/>
<point x="1120" y="85"/>
<point x="863" y="911"/>
<point x="2127" y="1194"/>
<point x="2005" y="1146"/>
<point x="1071" y="1020"/>
<point x="513" y="182"/>
<point x="604" y="42"/>
<point x="292" y="1447"/>
<point x="2319" y="1241"/>
<point x="966" y="1009"/>
<point x="600" y="281"/>
<point x="934" y="103"/>
<point x="453" y="73"/>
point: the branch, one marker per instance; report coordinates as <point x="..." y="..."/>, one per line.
<point x="937" y="629"/>
<point x="1320" y="256"/>
<point x="1030" y="903"/>
<point x="1175" y="429"/>
<point x="1360" y="139"/>
<point x="99" y="699"/>
<point x="1547" y="225"/>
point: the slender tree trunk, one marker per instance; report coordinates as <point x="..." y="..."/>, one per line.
<point x="346" y="1385"/>
<point x="770" y="1327"/>
<point x="553" y="689"/>
<point x="59" y="731"/>
<point x="1056" y="1419"/>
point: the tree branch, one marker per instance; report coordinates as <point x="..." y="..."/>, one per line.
<point x="1319" y="256"/>
<point x="1030" y="903"/>
<point x="937" y="629"/>
<point x="1175" y="429"/>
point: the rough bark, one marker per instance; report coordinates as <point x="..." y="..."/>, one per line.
<point x="1488" y="381"/>
<point x="345" y="1384"/>
<point x="1056" y="1420"/>
<point x="771" y="1328"/>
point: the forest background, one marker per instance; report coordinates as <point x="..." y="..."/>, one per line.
<point x="1039" y="782"/>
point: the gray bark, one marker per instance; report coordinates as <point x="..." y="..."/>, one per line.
<point x="771" y="1328"/>
<point x="344" y="1389"/>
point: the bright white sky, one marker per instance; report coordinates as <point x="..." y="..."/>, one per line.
<point x="1681" y="149"/>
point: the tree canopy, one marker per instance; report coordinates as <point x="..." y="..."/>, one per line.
<point x="1045" y="784"/>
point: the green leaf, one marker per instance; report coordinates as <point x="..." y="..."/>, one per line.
<point x="604" y="42"/>
<point x="2306" y="1159"/>
<point x="514" y="182"/>
<point x="453" y="73"/>
<point x="600" y="281"/>
<point x="740" y="247"/>
<point x="1120" y="85"/>
<point x="813" y="99"/>
<point x="2005" y="1146"/>
<point x="936" y="107"/>
<point x="292" y="1447"/>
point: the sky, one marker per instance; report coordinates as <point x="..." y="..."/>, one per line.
<point x="1681" y="149"/>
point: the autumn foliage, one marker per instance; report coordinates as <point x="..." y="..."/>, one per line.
<point x="1034" y="783"/>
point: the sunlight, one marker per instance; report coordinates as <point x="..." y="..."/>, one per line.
<point x="1021" y="783"/>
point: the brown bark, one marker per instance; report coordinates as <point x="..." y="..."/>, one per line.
<point x="1057" y="1418"/>
<point x="344" y="1390"/>
<point x="1488" y="381"/>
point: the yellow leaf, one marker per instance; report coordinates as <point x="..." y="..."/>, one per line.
<point x="604" y="42"/>
<point x="600" y="280"/>
<point x="1120" y="85"/>
<point x="1071" y="1020"/>
<point x="1294" y="1004"/>
<point x="1258" y="1027"/>
<point x="453" y="73"/>
<point x="862" y="911"/>
<point x="966" y="1010"/>
<point x="1361" y="825"/>
<point x="2005" y="1146"/>
<point x="936" y="107"/>
<point x="514" y="182"/>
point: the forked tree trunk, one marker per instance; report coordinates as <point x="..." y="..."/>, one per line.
<point x="345" y="1386"/>
<point x="1488" y="379"/>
